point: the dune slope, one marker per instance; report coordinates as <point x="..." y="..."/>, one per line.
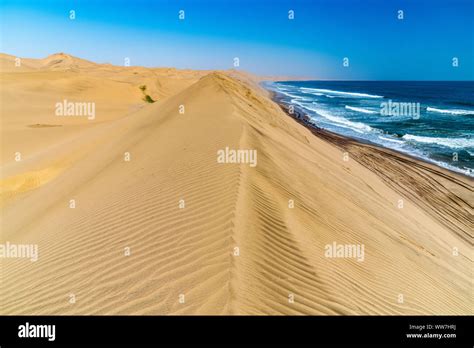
<point x="172" y="231"/>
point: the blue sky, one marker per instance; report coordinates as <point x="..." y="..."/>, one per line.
<point x="379" y="45"/>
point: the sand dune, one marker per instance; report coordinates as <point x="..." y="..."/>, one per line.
<point x="158" y="234"/>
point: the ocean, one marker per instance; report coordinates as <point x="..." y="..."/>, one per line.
<point x="431" y="120"/>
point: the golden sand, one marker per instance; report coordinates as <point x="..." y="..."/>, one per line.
<point x="172" y="231"/>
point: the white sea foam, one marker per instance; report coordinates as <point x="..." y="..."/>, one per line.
<point x="365" y="111"/>
<point x="338" y="121"/>
<point x="291" y="95"/>
<point x="348" y="94"/>
<point x="294" y="101"/>
<point x="454" y="143"/>
<point x="392" y="140"/>
<point x="450" y="111"/>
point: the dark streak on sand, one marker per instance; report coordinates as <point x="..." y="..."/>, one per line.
<point x="445" y="195"/>
<point x="40" y="125"/>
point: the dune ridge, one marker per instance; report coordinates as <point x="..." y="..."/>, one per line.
<point x="183" y="258"/>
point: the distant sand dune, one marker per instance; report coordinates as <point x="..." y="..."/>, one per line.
<point x="281" y="267"/>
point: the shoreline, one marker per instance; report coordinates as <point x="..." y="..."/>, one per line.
<point x="329" y="136"/>
<point x="408" y="175"/>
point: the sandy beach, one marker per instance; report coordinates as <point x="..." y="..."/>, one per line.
<point x="132" y="213"/>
